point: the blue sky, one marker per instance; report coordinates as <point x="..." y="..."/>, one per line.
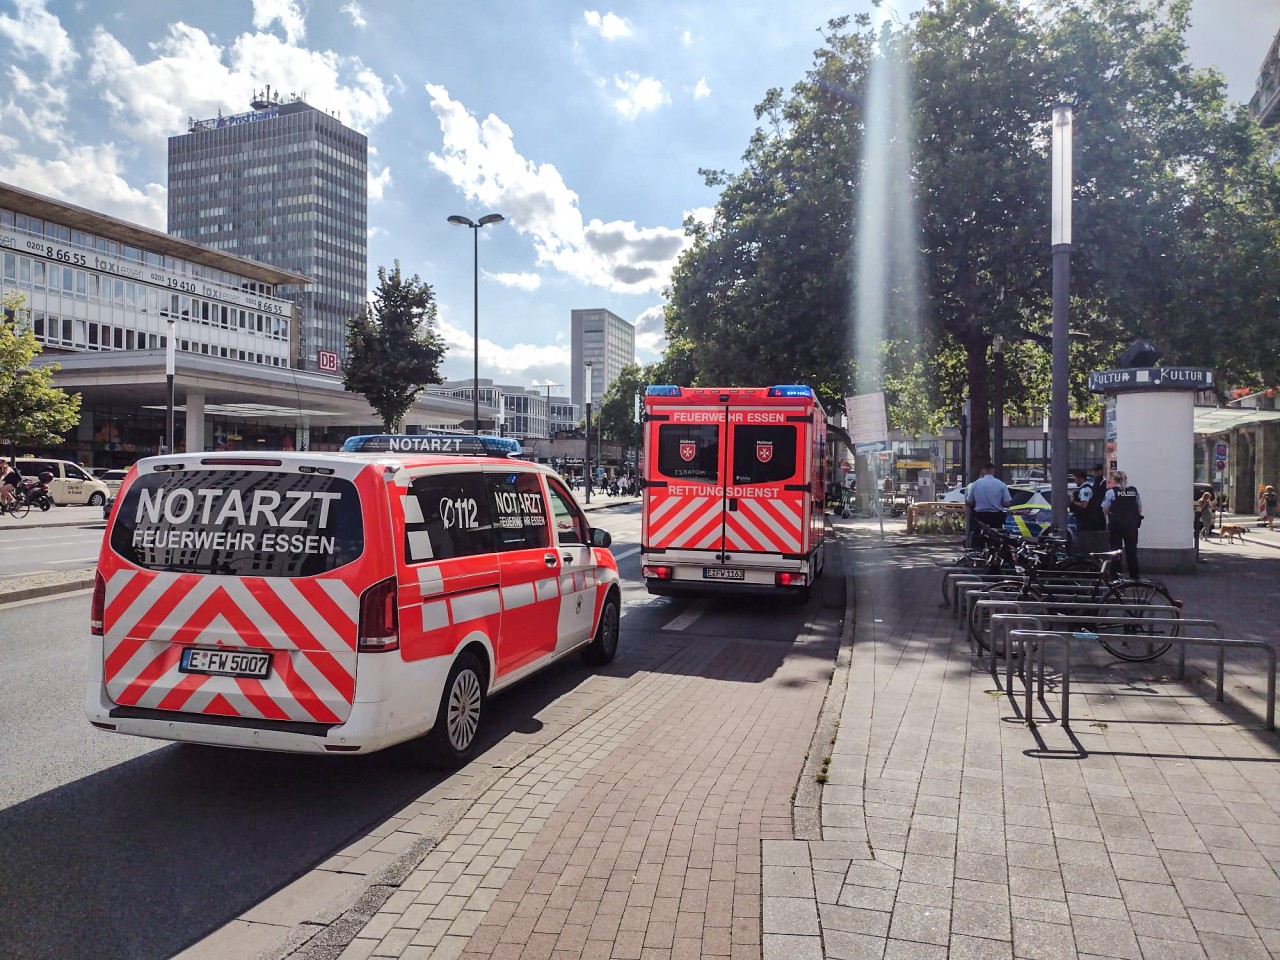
<point x="583" y="124"/>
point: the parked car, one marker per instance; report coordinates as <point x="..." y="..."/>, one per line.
<point x="1031" y="512"/>
<point x="113" y="479"/>
<point x="70" y="484"/>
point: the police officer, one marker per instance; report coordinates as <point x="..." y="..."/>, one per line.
<point x="1123" y="507"/>
<point x="1091" y="522"/>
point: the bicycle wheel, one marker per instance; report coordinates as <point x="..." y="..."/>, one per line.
<point x="980" y="617"/>
<point x="1141" y="598"/>
<point x="19" y="508"/>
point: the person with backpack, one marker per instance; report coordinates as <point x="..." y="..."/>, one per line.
<point x="1123" y="508"/>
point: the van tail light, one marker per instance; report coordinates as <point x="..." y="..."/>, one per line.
<point x="658" y="573"/>
<point x="379" y="618"/>
<point x="790" y="579"/>
<point x="98" y="604"/>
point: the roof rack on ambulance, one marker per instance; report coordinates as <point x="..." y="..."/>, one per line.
<point x="454" y="444"/>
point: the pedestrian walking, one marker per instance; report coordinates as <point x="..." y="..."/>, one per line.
<point x="1123" y="507"/>
<point x="1270" y="506"/>
<point x="1204" y="515"/>
<point x="988" y="496"/>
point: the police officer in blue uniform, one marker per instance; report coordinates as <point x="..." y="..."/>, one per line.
<point x="1123" y="507"/>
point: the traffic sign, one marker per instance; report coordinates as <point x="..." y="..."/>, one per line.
<point x="1221" y="465"/>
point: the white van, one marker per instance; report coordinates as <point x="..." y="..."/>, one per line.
<point x="71" y="484"/>
<point x="339" y="602"/>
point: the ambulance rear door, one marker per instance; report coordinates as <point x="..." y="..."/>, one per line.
<point x="767" y="494"/>
<point x="684" y="488"/>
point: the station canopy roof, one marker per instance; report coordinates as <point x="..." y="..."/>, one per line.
<point x="1214" y="420"/>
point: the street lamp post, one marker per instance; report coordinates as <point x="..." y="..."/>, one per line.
<point x="475" y="226"/>
<point x="1060" y="241"/>
<point x="586" y="453"/>
<point x="997" y="440"/>
<point x="170" y="363"/>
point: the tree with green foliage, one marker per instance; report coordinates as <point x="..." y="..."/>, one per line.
<point x="616" y="420"/>
<point x="393" y="349"/>
<point x="1176" y="209"/>
<point x="33" y="412"/>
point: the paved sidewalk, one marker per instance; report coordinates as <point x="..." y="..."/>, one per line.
<point x="951" y="829"/>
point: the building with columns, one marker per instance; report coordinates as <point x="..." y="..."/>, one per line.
<point x="103" y="297"/>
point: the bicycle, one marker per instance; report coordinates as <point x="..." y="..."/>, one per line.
<point x="1141" y="598"/>
<point x="17" y="508"/>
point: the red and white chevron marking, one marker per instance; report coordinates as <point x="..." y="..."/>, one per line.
<point x="761" y="525"/>
<point x="309" y="625"/>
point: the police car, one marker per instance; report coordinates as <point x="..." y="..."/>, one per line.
<point x="340" y="602"/>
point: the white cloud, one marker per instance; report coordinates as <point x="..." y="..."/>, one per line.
<point x="610" y="25"/>
<point x="353" y="10"/>
<point x="481" y="160"/>
<point x="36" y="110"/>
<point x="651" y="331"/>
<point x="378" y="184"/>
<point x="90" y="176"/>
<point x="701" y="91"/>
<point x="687" y="38"/>
<point x="37" y="31"/>
<point x="523" y="361"/>
<point x="266" y="12"/>
<point x="640" y="95"/>
<point x="520" y="281"/>
<point x="188" y="77"/>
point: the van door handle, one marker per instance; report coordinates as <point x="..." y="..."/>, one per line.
<point x="567" y="558"/>
<point x="733" y="504"/>
<point x="549" y="559"/>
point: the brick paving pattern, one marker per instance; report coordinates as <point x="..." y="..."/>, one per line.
<point x="636" y="835"/>
<point x="950" y="829"/>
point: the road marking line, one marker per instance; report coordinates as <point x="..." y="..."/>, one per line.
<point x="689" y="617"/>
<point x="71" y="560"/>
<point x="626" y="553"/>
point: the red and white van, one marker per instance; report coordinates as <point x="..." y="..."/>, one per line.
<point x="338" y="602"/>
<point x="734" y="489"/>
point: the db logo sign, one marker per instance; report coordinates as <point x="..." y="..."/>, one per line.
<point x="328" y="361"/>
<point x="688" y="450"/>
<point x="764" y="451"/>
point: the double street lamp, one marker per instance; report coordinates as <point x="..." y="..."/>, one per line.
<point x="586" y="453"/>
<point x="475" y="226"/>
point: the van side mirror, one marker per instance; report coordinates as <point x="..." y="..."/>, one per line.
<point x="600" y="538"/>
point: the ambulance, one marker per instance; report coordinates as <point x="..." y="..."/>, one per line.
<point x="733" y="490"/>
<point x="339" y="603"/>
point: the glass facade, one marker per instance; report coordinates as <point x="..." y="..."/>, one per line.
<point x="286" y="185"/>
<point x="84" y="292"/>
<point x="607" y="342"/>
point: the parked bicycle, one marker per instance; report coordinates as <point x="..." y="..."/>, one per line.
<point x="1140" y="598"/>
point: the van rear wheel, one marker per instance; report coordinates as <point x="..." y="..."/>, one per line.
<point x="604" y="645"/>
<point x="452" y="740"/>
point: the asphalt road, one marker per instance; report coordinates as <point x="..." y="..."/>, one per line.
<point x="41" y="549"/>
<point x="122" y="847"/>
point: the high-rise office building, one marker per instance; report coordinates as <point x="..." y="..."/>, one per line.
<point x="284" y="184"/>
<point x="606" y="341"/>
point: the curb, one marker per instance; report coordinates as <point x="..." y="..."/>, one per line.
<point x="806" y="808"/>
<point x="27" y="525"/>
<point x="81" y="580"/>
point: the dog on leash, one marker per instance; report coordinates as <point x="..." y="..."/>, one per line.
<point x="1231" y="531"/>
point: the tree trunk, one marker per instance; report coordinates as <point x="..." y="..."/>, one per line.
<point x="980" y="402"/>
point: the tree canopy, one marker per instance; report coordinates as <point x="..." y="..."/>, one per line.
<point x="393" y="349"/>
<point x="33" y="412"/>
<point x="1175" y="213"/>
<point x="616" y="420"/>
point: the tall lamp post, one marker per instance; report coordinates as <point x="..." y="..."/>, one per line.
<point x="997" y="441"/>
<point x="586" y="453"/>
<point x="170" y="363"/>
<point x="475" y="226"/>
<point x="1060" y="239"/>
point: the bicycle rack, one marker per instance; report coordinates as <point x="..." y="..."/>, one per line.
<point x="1038" y="637"/>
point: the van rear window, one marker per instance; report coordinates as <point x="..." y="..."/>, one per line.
<point x="246" y="523"/>
<point x="687" y="452"/>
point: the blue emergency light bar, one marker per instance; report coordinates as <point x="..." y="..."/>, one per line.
<point x="791" y="390"/>
<point x="665" y="391"/>
<point x="453" y="444"/>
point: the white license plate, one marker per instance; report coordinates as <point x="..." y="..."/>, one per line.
<point x="226" y="663"/>
<point x="723" y="573"/>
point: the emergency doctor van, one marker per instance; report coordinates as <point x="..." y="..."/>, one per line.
<point x="733" y="490"/>
<point x="339" y="602"/>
